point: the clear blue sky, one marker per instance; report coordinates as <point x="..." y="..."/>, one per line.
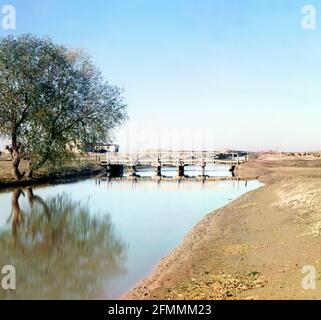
<point x="229" y="73"/>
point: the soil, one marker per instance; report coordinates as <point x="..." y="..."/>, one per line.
<point x="256" y="246"/>
<point x="79" y="169"/>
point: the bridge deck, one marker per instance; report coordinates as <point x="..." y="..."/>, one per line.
<point x="173" y="158"/>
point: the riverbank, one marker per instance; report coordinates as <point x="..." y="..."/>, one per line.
<point x="253" y="248"/>
<point x="80" y="169"/>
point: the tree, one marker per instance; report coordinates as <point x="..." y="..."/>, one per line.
<point x="52" y="97"/>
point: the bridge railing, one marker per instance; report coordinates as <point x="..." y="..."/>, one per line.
<point x="155" y="158"/>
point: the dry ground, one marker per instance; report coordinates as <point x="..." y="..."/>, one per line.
<point x="81" y="167"/>
<point x="255" y="247"/>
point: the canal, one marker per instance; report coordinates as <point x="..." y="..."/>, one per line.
<point x="97" y="238"/>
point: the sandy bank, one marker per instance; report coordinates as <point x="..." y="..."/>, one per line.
<point x="253" y="248"/>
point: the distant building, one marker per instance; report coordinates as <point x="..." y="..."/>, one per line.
<point x="97" y="148"/>
<point x="73" y="147"/>
<point x="106" y="147"/>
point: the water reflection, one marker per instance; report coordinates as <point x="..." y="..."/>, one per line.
<point x="165" y="183"/>
<point x="59" y="249"/>
<point x="189" y="171"/>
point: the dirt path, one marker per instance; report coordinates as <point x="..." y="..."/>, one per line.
<point x="255" y="247"/>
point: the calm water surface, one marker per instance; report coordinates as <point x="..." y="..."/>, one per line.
<point x="97" y="238"/>
<point x="191" y="171"/>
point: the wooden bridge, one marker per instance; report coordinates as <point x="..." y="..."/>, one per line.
<point x="115" y="162"/>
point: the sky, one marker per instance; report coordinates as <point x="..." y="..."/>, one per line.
<point x="199" y="74"/>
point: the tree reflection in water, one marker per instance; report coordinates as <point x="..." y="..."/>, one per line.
<point x="59" y="250"/>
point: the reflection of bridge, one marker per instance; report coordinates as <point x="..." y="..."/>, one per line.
<point x="115" y="162"/>
<point x="166" y="183"/>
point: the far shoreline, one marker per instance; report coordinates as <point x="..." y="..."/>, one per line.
<point x="85" y="169"/>
<point x="82" y="170"/>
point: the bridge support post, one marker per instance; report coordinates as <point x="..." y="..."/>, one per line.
<point x="115" y="171"/>
<point x="232" y="170"/>
<point x="181" y="170"/>
<point x="132" y="171"/>
<point x="203" y="166"/>
<point x="203" y="170"/>
<point x="159" y="170"/>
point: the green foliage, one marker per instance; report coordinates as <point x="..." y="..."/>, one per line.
<point x="52" y="98"/>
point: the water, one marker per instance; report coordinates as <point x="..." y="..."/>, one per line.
<point x="191" y="171"/>
<point x="98" y="238"/>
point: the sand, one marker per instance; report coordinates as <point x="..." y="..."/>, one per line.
<point x="253" y="248"/>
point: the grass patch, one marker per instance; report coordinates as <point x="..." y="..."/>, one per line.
<point x="216" y="287"/>
<point x="247" y="205"/>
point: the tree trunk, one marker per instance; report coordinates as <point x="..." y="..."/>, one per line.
<point x="15" y="165"/>
<point x="15" y="156"/>
<point x="30" y="170"/>
<point x="30" y="173"/>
